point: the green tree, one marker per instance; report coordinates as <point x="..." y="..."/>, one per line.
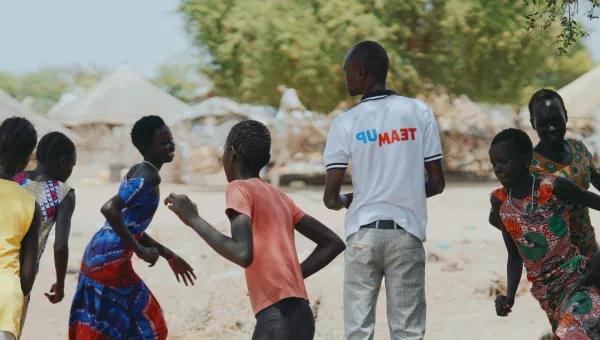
<point x="181" y="81"/>
<point x="479" y="47"/>
<point x="564" y="12"/>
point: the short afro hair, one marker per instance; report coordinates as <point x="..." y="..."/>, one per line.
<point x="251" y="141"/>
<point x="545" y="94"/>
<point x="144" y="131"/>
<point x="18" y="138"/>
<point x="54" y="146"/>
<point x="373" y="57"/>
<point x="518" y="138"/>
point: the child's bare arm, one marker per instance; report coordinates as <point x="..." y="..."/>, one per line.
<point x="566" y="190"/>
<point x="329" y="245"/>
<point x="29" y="252"/>
<point x="514" y="265"/>
<point x="61" y="242"/>
<point x="149" y="242"/>
<point x="494" y="218"/>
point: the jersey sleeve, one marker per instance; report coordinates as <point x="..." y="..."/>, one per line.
<point x="337" y="151"/>
<point x="433" y="145"/>
<point x="238" y="198"/>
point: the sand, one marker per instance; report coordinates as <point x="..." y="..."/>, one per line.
<point x="465" y="255"/>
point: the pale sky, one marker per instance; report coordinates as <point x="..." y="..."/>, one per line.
<point x="142" y="33"/>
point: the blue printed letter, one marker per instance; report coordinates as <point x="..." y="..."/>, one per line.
<point x="361" y="136"/>
<point x="372" y="138"/>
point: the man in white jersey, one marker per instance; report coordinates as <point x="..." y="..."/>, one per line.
<point x="390" y="140"/>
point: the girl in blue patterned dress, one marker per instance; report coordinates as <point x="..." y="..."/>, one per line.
<point x="111" y="301"/>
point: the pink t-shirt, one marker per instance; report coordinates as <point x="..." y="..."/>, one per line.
<point x="275" y="271"/>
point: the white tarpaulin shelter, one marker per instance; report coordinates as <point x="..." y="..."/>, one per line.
<point x="120" y="99"/>
<point x="10" y="107"/>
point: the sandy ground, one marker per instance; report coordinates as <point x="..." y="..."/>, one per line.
<point x="470" y="253"/>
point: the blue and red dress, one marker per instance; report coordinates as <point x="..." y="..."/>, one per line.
<point x="111" y="301"/>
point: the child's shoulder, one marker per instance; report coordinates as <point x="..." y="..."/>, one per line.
<point x="577" y="144"/>
<point x="500" y="194"/>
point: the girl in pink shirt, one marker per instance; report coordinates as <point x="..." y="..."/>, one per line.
<point x="263" y="221"/>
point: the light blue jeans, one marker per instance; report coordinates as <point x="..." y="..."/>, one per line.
<point x="397" y="256"/>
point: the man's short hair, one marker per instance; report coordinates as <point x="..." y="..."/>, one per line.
<point x="374" y="58"/>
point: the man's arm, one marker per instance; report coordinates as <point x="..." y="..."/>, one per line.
<point x="436" y="181"/>
<point x="337" y="157"/>
<point x="333" y="184"/>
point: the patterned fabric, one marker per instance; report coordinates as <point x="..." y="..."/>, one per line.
<point x="17" y="208"/>
<point x="48" y="194"/>
<point x="579" y="171"/>
<point x="111" y="301"/>
<point x="554" y="266"/>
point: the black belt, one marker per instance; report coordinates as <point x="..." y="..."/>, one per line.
<point x="382" y="224"/>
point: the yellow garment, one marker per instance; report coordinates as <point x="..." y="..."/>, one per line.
<point x="17" y="208"/>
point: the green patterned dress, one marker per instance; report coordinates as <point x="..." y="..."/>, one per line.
<point x="581" y="171"/>
<point x="554" y="267"/>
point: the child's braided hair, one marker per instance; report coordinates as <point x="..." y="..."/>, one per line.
<point x="251" y="141"/>
<point x="54" y="146"/>
<point x="17" y="142"/>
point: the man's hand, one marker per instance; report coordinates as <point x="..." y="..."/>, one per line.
<point x="183" y="207"/>
<point x="57" y="293"/>
<point x="504" y="305"/>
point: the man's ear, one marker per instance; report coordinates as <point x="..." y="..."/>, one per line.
<point x="362" y="73"/>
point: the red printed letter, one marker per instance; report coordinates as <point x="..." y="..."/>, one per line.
<point x="384" y="138"/>
<point x="395" y="137"/>
<point x="404" y="134"/>
<point x="412" y="133"/>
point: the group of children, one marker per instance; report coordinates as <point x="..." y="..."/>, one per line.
<point x="111" y="301"/>
<point x="541" y="210"/>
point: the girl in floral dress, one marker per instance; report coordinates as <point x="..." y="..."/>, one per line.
<point x="56" y="158"/>
<point x="533" y="217"/>
<point x="569" y="159"/>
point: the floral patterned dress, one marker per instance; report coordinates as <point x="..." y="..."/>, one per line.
<point x="554" y="267"/>
<point x="580" y="171"/>
<point x="49" y="195"/>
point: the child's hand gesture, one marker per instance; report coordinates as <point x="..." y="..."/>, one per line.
<point x="57" y="293"/>
<point x="183" y="207"/>
<point x="504" y="305"/>
<point x="183" y="269"/>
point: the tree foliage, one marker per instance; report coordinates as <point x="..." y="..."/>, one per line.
<point x="182" y="81"/>
<point x="477" y="47"/>
<point x="47" y="84"/>
<point x="564" y="12"/>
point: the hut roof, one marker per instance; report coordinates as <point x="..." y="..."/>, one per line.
<point x="120" y="99"/>
<point x="10" y="107"/>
